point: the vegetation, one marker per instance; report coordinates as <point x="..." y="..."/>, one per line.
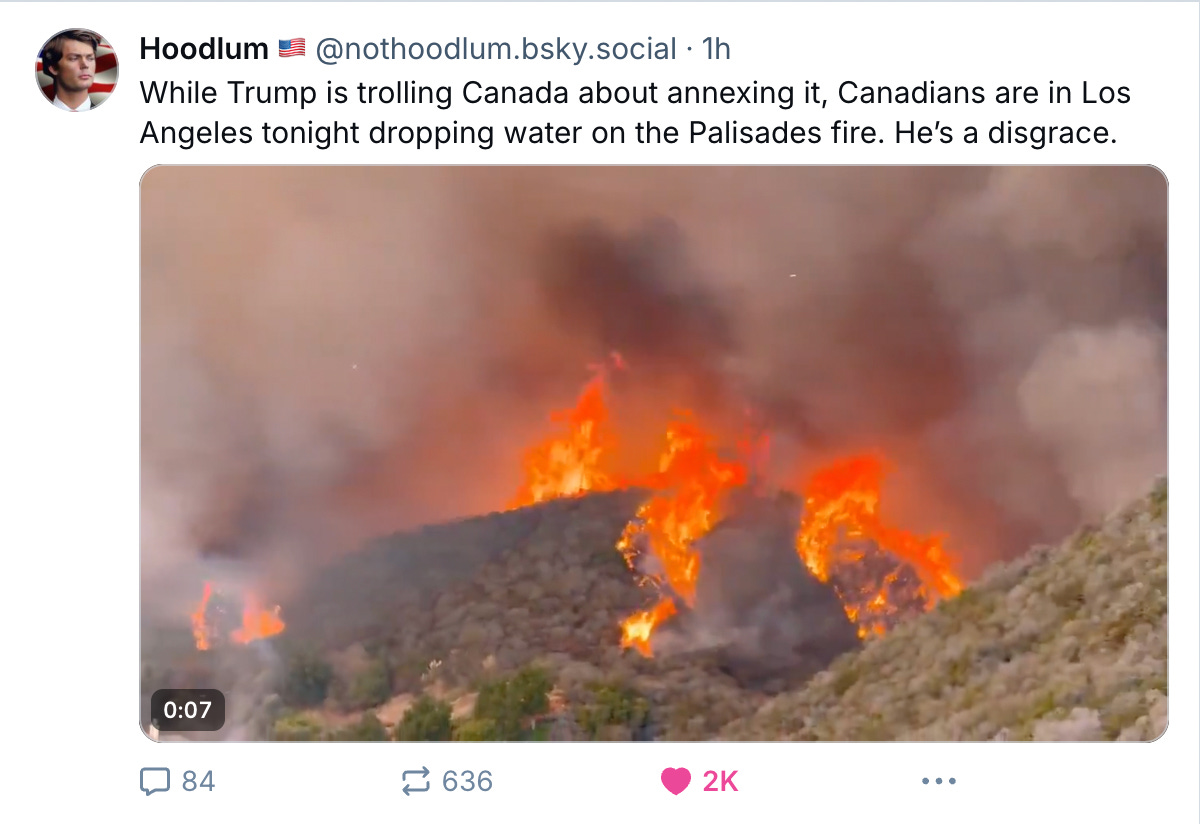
<point x="508" y="704"/>
<point x="476" y="729"/>
<point x="426" y="720"/>
<point x="612" y="705"/>
<point x="302" y="727"/>
<point x="1062" y="643"/>
<point x="307" y="679"/>
<point x="367" y="728"/>
<point x="297" y="727"/>
<point x="371" y="687"/>
<point x="1065" y="643"/>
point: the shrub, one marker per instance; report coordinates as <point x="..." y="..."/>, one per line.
<point x="297" y="727"/>
<point x="961" y="606"/>
<point x="530" y="689"/>
<point x="846" y="678"/>
<point x="371" y="687"/>
<point x="476" y="729"/>
<point x="612" y="705"/>
<point x="368" y="728"/>
<point x="539" y="733"/>
<point x="426" y="720"/>
<point x="306" y="682"/>
<point x="507" y="703"/>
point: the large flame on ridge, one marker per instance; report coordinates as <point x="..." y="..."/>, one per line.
<point x="691" y="480"/>
<point x="841" y="507"/>
<point x="569" y="464"/>
<point x="257" y="623"/>
<point x="841" y="512"/>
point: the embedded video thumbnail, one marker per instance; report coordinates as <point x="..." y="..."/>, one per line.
<point x="654" y="453"/>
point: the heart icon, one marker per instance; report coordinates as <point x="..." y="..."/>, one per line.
<point x="676" y="780"/>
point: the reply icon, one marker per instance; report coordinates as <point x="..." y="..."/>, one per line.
<point x="155" y="780"/>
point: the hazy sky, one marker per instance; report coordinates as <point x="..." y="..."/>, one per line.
<point x="333" y="352"/>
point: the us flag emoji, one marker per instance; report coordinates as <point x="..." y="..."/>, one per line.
<point x="291" y="48"/>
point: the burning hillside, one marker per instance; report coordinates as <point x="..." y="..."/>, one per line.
<point x="879" y="572"/>
<point x="715" y="584"/>
<point x="1067" y="643"/>
<point x="842" y="518"/>
<point x="842" y="538"/>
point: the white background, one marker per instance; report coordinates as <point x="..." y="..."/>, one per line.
<point x="69" y="414"/>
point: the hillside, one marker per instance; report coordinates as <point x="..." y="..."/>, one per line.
<point x="452" y="605"/>
<point x="1067" y="643"/>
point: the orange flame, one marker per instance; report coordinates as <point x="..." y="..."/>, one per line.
<point x="691" y="480"/>
<point x="841" y="507"/>
<point x="569" y="465"/>
<point x="637" y="628"/>
<point x="257" y="623"/>
<point x="841" y="504"/>
<point x="200" y="620"/>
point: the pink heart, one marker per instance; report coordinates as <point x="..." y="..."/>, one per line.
<point x="676" y="780"/>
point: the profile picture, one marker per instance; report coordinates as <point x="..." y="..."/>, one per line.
<point x="77" y="70"/>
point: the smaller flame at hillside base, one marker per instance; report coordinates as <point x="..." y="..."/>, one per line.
<point x="257" y="623"/>
<point x="841" y="506"/>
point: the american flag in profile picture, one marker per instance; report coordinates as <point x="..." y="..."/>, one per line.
<point x="291" y="48"/>
<point x="103" y="83"/>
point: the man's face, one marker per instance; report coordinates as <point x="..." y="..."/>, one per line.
<point x="77" y="69"/>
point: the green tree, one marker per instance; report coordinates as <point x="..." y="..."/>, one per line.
<point x="612" y="705"/>
<point x="508" y="703"/>
<point x="426" y="720"/>
<point x="476" y="729"/>
<point x="367" y="728"/>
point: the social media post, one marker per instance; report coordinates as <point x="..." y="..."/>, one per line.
<point x="674" y="384"/>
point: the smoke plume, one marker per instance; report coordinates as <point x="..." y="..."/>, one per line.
<point x="331" y="353"/>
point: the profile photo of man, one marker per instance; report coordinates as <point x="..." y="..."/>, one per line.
<point x="77" y="70"/>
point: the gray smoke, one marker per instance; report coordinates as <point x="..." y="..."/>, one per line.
<point x="756" y="606"/>
<point x="332" y="353"/>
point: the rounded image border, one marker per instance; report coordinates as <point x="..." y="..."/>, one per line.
<point x="104" y="84"/>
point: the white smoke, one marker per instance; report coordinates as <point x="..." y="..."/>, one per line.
<point x="1098" y="398"/>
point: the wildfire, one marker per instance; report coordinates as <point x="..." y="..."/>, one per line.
<point x="637" y="628"/>
<point x="257" y="623"/>
<point x="200" y="620"/>
<point x="879" y="572"/>
<point x="569" y="464"/>
<point x="691" y="480"/>
<point x="841" y="507"/>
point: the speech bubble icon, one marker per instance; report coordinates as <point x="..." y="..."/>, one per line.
<point x="155" y="780"/>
